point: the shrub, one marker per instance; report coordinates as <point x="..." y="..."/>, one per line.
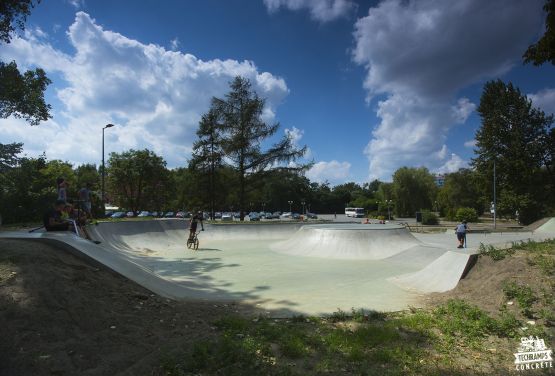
<point x="467" y="214"/>
<point x="429" y="218"/>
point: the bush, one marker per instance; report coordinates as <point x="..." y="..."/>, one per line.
<point x="467" y="214"/>
<point x="429" y="218"/>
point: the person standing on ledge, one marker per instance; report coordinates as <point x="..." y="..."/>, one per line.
<point x="460" y="230"/>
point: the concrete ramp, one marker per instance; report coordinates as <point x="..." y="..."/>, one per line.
<point x="348" y="241"/>
<point x="442" y="274"/>
<point x="547" y="228"/>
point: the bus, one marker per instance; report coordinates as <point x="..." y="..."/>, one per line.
<point x="355" y="212"/>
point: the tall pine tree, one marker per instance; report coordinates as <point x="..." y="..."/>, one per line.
<point x="519" y="138"/>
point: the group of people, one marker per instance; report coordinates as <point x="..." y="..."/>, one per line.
<point x="66" y="214"/>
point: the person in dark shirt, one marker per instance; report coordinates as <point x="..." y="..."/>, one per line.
<point x="52" y="219"/>
<point x="195" y="219"/>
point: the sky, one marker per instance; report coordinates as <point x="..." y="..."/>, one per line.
<point x="367" y="86"/>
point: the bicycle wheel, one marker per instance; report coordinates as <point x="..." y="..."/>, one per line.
<point x="195" y="244"/>
<point x="190" y="243"/>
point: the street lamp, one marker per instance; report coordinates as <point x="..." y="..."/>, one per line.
<point x="264" y="207"/>
<point x="290" y="203"/>
<point x="103" y="168"/>
<point x="303" y="204"/>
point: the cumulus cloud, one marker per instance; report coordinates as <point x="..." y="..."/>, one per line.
<point x="544" y="99"/>
<point x="452" y="165"/>
<point x="154" y="96"/>
<point x="320" y="10"/>
<point x="419" y="54"/>
<point x="334" y="172"/>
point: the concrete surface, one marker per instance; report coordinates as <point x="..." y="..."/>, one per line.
<point x="285" y="269"/>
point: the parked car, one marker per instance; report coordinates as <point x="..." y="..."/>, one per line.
<point x="269" y="215"/>
<point x="180" y="214"/>
<point x="276" y="215"/>
<point x="118" y="215"/>
<point x="218" y="215"/>
<point x="108" y="214"/>
<point x="296" y="216"/>
<point x="254" y="216"/>
<point x="130" y="214"/>
<point x="154" y="214"/>
<point x="169" y="214"/>
<point x="227" y="217"/>
<point x="144" y="214"/>
<point x="286" y="215"/>
<point x="311" y="215"/>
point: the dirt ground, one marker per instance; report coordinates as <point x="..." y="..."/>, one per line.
<point x="61" y="315"/>
<point x="64" y="315"/>
<point x="483" y="285"/>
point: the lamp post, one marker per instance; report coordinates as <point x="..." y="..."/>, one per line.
<point x="264" y="207"/>
<point x="103" y="170"/>
<point x="494" y="199"/>
<point x="303" y="204"/>
<point x="290" y="203"/>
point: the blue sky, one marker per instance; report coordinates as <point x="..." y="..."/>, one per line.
<point x="368" y="86"/>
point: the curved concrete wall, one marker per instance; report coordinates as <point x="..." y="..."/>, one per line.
<point x="364" y="242"/>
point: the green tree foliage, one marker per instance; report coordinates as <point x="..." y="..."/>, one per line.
<point x="461" y="189"/>
<point x="243" y="132"/>
<point x="429" y="218"/>
<point x="207" y="157"/>
<point x="543" y="51"/>
<point x="414" y="189"/>
<point x="9" y="156"/>
<point x="520" y="139"/>
<point x="21" y="95"/>
<point x="26" y="192"/>
<point x="138" y="180"/>
<point x="466" y="214"/>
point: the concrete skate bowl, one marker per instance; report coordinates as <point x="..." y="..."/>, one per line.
<point x="348" y="241"/>
<point x="287" y="269"/>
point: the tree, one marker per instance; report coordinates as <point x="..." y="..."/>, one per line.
<point x="9" y="155"/>
<point x="519" y="139"/>
<point x="461" y="189"/>
<point x="208" y="154"/>
<point x="544" y="50"/>
<point x="21" y="95"/>
<point x="138" y="179"/>
<point x="243" y="132"/>
<point x="414" y="189"/>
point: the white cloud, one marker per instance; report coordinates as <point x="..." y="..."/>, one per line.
<point x="452" y="165"/>
<point x="174" y="44"/>
<point x="320" y="10"/>
<point x="154" y="96"/>
<point x="334" y="172"/>
<point x="544" y="99"/>
<point x="77" y="4"/>
<point x="296" y="134"/>
<point x="470" y="144"/>
<point x="420" y="54"/>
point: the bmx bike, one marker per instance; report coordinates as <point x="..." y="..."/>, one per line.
<point x="192" y="243"/>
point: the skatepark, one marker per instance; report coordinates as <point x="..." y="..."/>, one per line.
<point x="286" y="269"/>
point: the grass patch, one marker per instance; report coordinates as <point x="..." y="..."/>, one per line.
<point x="412" y="342"/>
<point x="523" y="294"/>
<point x="495" y="253"/>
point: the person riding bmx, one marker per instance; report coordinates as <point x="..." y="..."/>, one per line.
<point x="195" y="219"/>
